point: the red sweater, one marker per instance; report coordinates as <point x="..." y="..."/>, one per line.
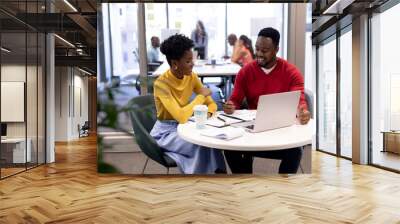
<point x="252" y="82"/>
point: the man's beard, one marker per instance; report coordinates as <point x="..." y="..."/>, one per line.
<point x="263" y="63"/>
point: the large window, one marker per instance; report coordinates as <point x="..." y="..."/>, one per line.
<point x="182" y="18"/>
<point x="309" y="76"/>
<point x="248" y="19"/>
<point x="123" y="38"/>
<point x="385" y="84"/>
<point x="346" y="93"/>
<point x="327" y="96"/>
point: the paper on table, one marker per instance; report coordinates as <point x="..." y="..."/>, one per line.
<point x="215" y="122"/>
<point x="247" y="115"/>
<point x="226" y="133"/>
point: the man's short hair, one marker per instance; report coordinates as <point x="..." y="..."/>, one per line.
<point x="271" y="33"/>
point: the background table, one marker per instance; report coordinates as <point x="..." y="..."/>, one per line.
<point x="205" y="70"/>
<point x="226" y="71"/>
<point x="282" y="138"/>
<point x="391" y="141"/>
<point x="13" y="150"/>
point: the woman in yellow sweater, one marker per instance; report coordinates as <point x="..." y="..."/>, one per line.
<point x="172" y="92"/>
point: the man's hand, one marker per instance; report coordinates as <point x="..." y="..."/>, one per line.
<point x="304" y="115"/>
<point x="229" y="107"/>
<point x="205" y="91"/>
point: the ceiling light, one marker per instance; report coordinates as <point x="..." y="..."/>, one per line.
<point x="337" y="7"/>
<point x="5" y="50"/>
<point x="70" y="5"/>
<point x="65" y="41"/>
<point x="84" y="71"/>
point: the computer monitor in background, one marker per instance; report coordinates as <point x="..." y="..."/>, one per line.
<point x="3" y="129"/>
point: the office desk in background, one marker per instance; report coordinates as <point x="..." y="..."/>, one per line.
<point x="391" y="141"/>
<point x="13" y="150"/>
<point x="225" y="70"/>
<point x="205" y="70"/>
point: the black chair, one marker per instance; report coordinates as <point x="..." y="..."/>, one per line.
<point x="84" y="130"/>
<point x="143" y="115"/>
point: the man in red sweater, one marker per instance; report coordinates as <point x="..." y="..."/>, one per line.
<point x="267" y="74"/>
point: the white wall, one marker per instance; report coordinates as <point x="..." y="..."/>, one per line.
<point x="71" y="102"/>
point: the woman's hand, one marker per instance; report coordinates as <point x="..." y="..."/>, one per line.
<point x="205" y="91"/>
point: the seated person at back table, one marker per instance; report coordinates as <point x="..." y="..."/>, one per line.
<point x="231" y="41"/>
<point x="243" y="52"/>
<point x="154" y="51"/>
<point x="172" y="92"/>
<point x="267" y="74"/>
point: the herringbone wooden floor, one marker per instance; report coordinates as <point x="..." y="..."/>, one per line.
<point x="71" y="191"/>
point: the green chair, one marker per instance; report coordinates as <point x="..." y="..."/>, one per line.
<point x="143" y="116"/>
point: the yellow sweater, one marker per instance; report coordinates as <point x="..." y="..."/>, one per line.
<point x="172" y="97"/>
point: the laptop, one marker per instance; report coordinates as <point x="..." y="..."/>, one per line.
<point x="273" y="111"/>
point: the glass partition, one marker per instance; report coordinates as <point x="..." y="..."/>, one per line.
<point x="248" y="19"/>
<point x="31" y="98"/>
<point x="385" y="89"/>
<point x="22" y="79"/>
<point x="124" y="40"/>
<point x="13" y="104"/>
<point x="327" y="96"/>
<point x="346" y="94"/>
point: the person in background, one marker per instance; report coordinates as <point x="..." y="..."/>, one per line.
<point x="231" y="41"/>
<point x="200" y="39"/>
<point x="243" y="52"/>
<point x="153" y="53"/>
<point x="268" y="74"/>
<point x="172" y="92"/>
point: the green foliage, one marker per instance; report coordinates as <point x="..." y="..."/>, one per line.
<point x="107" y="114"/>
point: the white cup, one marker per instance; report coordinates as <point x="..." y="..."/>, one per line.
<point x="200" y="116"/>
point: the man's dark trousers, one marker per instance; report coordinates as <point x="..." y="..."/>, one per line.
<point x="242" y="162"/>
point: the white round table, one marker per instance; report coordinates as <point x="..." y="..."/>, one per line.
<point x="282" y="138"/>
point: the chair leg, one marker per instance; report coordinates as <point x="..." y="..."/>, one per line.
<point x="301" y="168"/>
<point x="167" y="170"/>
<point x="145" y="164"/>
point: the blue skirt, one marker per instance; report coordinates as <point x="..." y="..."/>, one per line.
<point x="190" y="158"/>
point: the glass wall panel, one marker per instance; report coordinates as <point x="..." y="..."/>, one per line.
<point x="346" y="94"/>
<point x="156" y="22"/>
<point x="248" y="19"/>
<point x="183" y="17"/>
<point x="13" y="87"/>
<point x="31" y="98"/>
<point x="22" y="89"/>
<point x="385" y="87"/>
<point x="327" y="96"/>
<point x="124" y="40"/>
<point x="41" y="98"/>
